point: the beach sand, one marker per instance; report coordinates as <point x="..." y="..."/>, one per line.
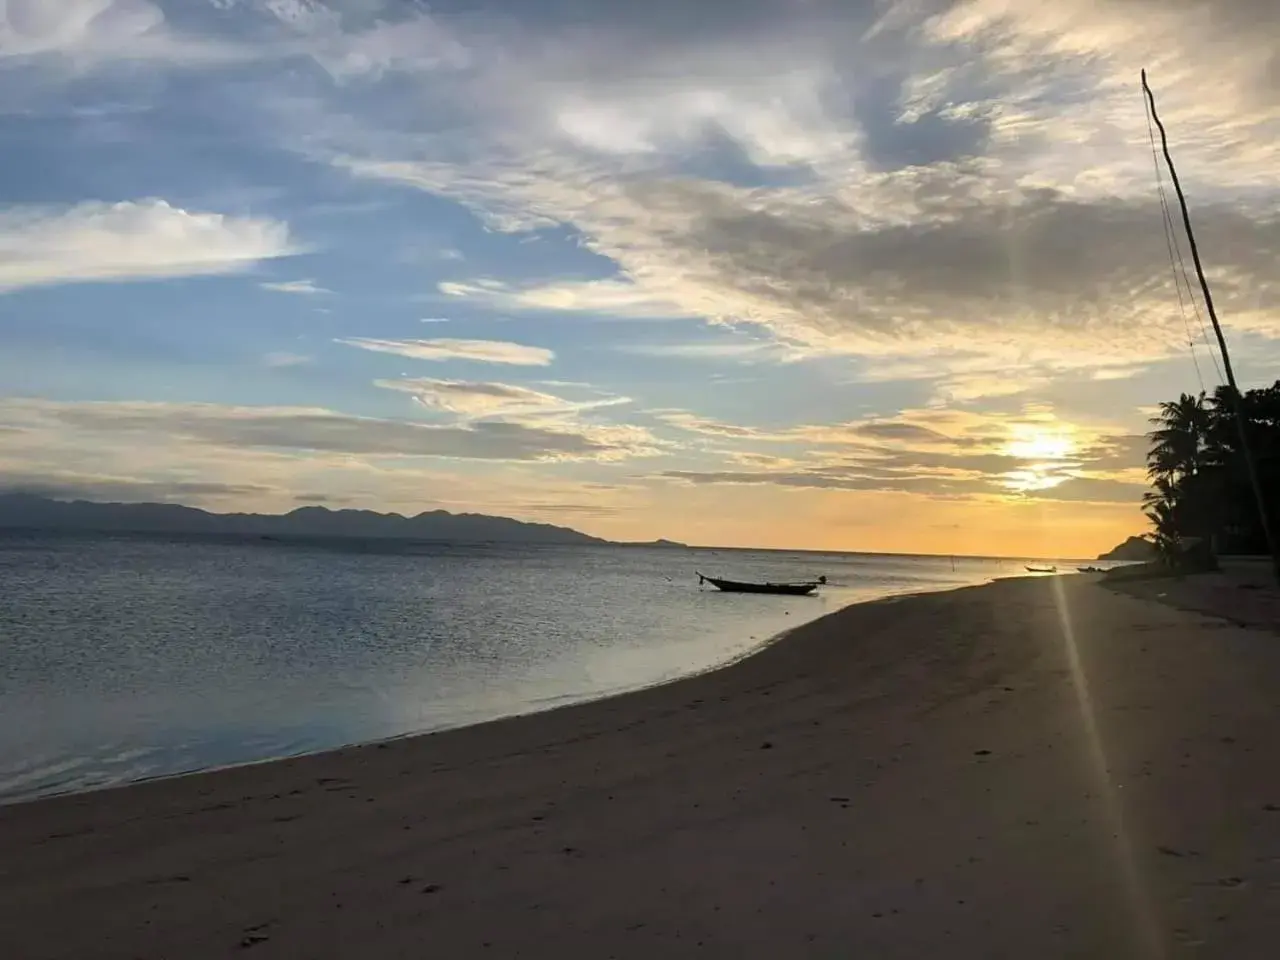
<point x="1034" y="768"/>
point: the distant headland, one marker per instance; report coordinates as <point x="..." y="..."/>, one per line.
<point x="32" y="511"/>
<point x="1135" y="548"/>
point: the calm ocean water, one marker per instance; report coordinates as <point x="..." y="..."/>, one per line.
<point x="130" y="657"/>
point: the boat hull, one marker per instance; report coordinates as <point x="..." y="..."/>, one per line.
<point x="786" y="589"/>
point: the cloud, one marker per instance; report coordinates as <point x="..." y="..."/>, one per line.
<point x="101" y="488"/>
<point x="88" y="33"/>
<point x="284" y="359"/>
<point x="580" y="510"/>
<point x="302" y="287"/>
<point x="132" y="240"/>
<point x="1035" y="281"/>
<point x="349" y="41"/>
<point x="936" y="452"/>
<point x="1035" y="278"/>
<point x="741" y="351"/>
<point x="918" y="480"/>
<point x="826" y="480"/>
<point x="961" y="183"/>
<point x="1119" y="452"/>
<point x="693" y="423"/>
<point x="1093" y="490"/>
<point x="477" y="399"/>
<point x="611" y="298"/>
<point x="128" y="425"/>
<point x="476" y="351"/>
<point x="240" y="452"/>
<point x="365" y="39"/>
<point x="272" y="458"/>
<point x="910" y="429"/>
<point x="891" y="430"/>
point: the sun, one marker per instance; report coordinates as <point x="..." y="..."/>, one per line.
<point x="1045" y="450"/>
<point x="1038" y="444"/>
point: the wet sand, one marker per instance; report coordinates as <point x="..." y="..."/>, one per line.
<point x="1035" y="768"/>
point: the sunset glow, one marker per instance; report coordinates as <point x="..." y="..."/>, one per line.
<point x="1031" y="443"/>
<point x="858" y="276"/>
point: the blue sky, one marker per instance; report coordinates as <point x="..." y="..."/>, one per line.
<point x="860" y="275"/>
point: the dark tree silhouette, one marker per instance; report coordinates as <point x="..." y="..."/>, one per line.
<point x="1199" y="480"/>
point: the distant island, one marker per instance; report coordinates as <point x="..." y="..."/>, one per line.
<point x="1135" y="548"/>
<point x="31" y="511"/>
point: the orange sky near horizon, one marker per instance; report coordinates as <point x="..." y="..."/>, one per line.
<point x="877" y="522"/>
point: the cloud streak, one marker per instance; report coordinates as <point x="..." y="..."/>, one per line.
<point x="305" y="288"/>
<point x="609" y="298"/>
<point x="480" y="399"/>
<point x="132" y="240"/>
<point x="307" y="430"/>
<point x="442" y="349"/>
<point x="933" y="452"/>
<point x="80" y="35"/>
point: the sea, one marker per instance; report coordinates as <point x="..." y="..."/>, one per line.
<point x="126" y="657"/>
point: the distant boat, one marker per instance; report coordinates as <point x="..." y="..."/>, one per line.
<point x="1042" y="569"/>
<point x="799" y="589"/>
<point x="1091" y="569"/>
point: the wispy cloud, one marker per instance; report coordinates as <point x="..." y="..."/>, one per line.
<point x="477" y="351"/>
<point x="134" y="425"/>
<point x="481" y="399"/>
<point x="364" y="40"/>
<point x="986" y="193"/>
<point x="70" y="485"/>
<point x="609" y="298"/>
<point x="82" y="34"/>
<point x="283" y="359"/>
<point x="142" y="240"/>
<point x="977" y="275"/>
<point x="929" y="451"/>
<point x="306" y="288"/>
<point x="742" y="351"/>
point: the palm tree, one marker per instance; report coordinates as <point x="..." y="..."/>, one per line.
<point x="1163" y="490"/>
<point x="1179" y="442"/>
<point x="1179" y="503"/>
<point x="1260" y="408"/>
<point x="1200" y="483"/>
<point x="1162" y="514"/>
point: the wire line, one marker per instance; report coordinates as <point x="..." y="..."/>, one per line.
<point x="1178" y="264"/>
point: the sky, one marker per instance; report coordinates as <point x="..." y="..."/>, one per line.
<point x="881" y="275"/>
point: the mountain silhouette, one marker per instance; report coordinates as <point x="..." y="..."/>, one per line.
<point x="31" y="511"/>
<point x="1134" y="548"/>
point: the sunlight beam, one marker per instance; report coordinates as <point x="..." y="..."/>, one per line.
<point x="1149" y="941"/>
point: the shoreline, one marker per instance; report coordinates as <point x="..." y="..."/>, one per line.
<point x="879" y="781"/>
<point x="414" y="734"/>
<point x="12" y="800"/>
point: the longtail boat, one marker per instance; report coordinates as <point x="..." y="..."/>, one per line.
<point x="797" y="589"/>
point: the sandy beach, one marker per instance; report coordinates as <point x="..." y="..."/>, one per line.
<point x="1034" y="768"/>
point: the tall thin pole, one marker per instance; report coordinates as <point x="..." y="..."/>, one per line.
<point x="1237" y="405"/>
